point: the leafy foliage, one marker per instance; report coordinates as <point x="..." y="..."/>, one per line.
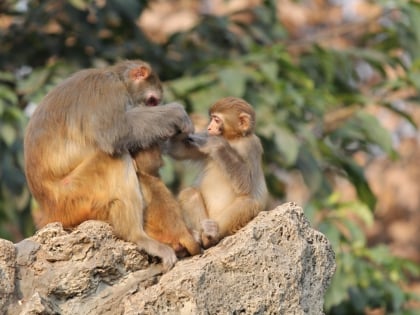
<point x="365" y="277"/>
<point x="14" y="196"/>
<point x="309" y="99"/>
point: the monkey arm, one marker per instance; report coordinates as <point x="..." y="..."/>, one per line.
<point x="111" y="120"/>
<point x="183" y="147"/>
<point x="237" y="167"/>
<point x="150" y="125"/>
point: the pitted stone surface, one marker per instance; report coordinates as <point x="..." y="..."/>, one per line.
<point x="277" y="264"/>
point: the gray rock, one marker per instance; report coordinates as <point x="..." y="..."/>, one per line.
<point x="7" y="273"/>
<point x="277" y="264"/>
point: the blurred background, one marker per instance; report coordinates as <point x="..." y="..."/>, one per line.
<point x="335" y="86"/>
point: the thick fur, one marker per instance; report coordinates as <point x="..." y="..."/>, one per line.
<point x="77" y="145"/>
<point x="163" y="217"/>
<point x="231" y="188"/>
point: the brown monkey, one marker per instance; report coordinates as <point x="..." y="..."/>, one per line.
<point x="77" y="145"/>
<point x="163" y="217"/>
<point x="231" y="189"/>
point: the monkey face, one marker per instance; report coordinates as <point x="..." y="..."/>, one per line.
<point x="144" y="86"/>
<point x="153" y="91"/>
<point x="215" y="127"/>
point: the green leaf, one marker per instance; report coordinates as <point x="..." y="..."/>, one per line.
<point x="8" y="134"/>
<point x="400" y="112"/>
<point x="79" y="4"/>
<point x="7" y="76"/>
<point x="14" y="113"/>
<point x="374" y="131"/>
<point x="414" y="78"/>
<point x="357" y="237"/>
<point x="312" y="173"/>
<point x="202" y="99"/>
<point x="185" y="85"/>
<point x="7" y="96"/>
<point x="332" y="233"/>
<point x="344" y="278"/>
<point x="356" y="176"/>
<point x="357" y="208"/>
<point x="379" y="254"/>
<point x="233" y="82"/>
<point x="287" y="143"/>
<point x="397" y="296"/>
<point x="34" y="81"/>
<point x="270" y="70"/>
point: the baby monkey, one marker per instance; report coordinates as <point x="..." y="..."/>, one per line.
<point x="230" y="190"/>
<point x="162" y="216"/>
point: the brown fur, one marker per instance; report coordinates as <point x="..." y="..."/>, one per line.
<point x="77" y="144"/>
<point x="237" y="114"/>
<point x="162" y="218"/>
<point x="231" y="189"/>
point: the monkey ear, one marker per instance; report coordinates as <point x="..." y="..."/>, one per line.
<point x="139" y="73"/>
<point x="244" y="122"/>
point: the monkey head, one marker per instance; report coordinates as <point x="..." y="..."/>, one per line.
<point x="231" y="118"/>
<point x="141" y="81"/>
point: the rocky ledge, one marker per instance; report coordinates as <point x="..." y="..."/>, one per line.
<point x="277" y="264"/>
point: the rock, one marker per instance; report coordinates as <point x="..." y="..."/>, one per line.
<point x="7" y="272"/>
<point x="277" y="264"/>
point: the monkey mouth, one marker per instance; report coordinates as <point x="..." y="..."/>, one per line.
<point x="152" y="101"/>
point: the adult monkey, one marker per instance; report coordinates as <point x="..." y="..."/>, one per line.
<point x="77" y="149"/>
<point x="231" y="189"/>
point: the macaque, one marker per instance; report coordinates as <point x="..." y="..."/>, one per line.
<point x="231" y="188"/>
<point x="162" y="217"/>
<point x="77" y="149"/>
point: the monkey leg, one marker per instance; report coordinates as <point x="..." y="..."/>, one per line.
<point x="126" y="216"/>
<point x="163" y="219"/>
<point x="128" y="225"/>
<point x="106" y="188"/>
<point x="235" y="216"/>
<point x="193" y="210"/>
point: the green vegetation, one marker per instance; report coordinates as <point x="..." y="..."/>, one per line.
<point x="309" y="98"/>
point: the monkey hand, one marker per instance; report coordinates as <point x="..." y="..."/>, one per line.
<point x="210" y="233"/>
<point x="196" y="235"/>
<point x="179" y="118"/>
<point x="211" y="144"/>
<point x="168" y="256"/>
<point x="198" y="139"/>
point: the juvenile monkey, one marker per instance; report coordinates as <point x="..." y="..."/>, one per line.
<point x="77" y="149"/>
<point x="231" y="189"/>
<point x="163" y="217"/>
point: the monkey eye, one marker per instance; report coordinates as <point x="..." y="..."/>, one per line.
<point x="152" y="101"/>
